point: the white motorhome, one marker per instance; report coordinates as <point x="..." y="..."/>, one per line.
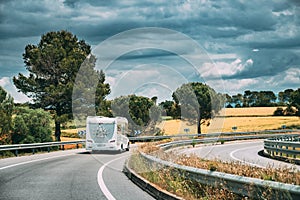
<point x="104" y="133"/>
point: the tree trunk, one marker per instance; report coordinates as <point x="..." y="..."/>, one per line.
<point x="199" y="123"/>
<point x="57" y="131"/>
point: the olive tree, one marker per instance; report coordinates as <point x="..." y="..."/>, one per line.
<point x="198" y="101"/>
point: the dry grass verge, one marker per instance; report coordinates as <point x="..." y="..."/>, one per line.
<point x="171" y="181"/>
<point x="284" y="175"/>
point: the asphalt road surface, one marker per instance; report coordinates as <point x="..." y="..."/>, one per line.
<point x="241" y="151"/>
<point x="72" y="174"/>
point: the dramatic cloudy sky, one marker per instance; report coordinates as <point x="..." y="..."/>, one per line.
<point x="233" y="45"/>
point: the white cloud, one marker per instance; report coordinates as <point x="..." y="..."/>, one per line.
<point x="224" y="68"/>
<point x="288" y="78"/>
<point x="4" y="81"/>
<point x="284" y="13"/>
<point x="110" y="80"/>
<point x="8" y="86"/>
<point x="292" y="76"/>
<point x="222" y="56"/>
<point x="234" y="86"/>
<point x="147" y="79"/>
<point x="163" y="92"/>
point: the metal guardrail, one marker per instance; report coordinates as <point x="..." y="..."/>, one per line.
<point x="283" y="147"/>
<point x="169" y="145"/>
<point x="245" y="186"/>
<point x="154" y="138"/>
<point x="33" y="146"/>
<point x="147" y="186"/>
<point x="235" y="136"/>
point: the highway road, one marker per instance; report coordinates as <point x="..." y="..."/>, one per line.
<point x="241" y="151"/>
<point x="72" y="174"/>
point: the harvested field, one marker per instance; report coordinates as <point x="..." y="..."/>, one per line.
<point x="253" y="111"/>
<point x="245" y="119"/>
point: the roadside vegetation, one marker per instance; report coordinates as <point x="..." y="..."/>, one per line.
<point x="173" y="182"/>
<point x="166" y="179"/>
<point x="284" y="175"/>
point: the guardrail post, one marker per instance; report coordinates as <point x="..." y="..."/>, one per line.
<point x="285" y="147"/>
<point x="16" y="152"/>
<point x="280" y="148"/>
<point x="48" y="149"/>
<point x="33" y="151"/>
<point x="77" y="146"/>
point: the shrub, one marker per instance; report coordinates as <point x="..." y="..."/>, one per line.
<point x="212" y="167"/>
<point x="31" y="126"/>
<point x="290" y="111"/>
<point x="279" y="112"/>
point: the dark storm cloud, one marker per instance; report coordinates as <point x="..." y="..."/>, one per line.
<point x="146" y="54"/>
<point x="101" y="3"/>
<point x="271" y="28"/>
<point x="267" y="63"/>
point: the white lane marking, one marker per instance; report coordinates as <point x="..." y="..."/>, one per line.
<point x="32" y="161"/>
<point x="243" y="161"/>
<point x="101" y="183"/>
<point x="212" y="147"/>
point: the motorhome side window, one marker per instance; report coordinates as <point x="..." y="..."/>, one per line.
<point x="123" y="129"/>
<point x="119" y="129"/>
<point x="126" y="129"/>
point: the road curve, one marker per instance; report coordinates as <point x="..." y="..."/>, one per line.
<point x="242" y="151"/>
<point x="72" y="174"/>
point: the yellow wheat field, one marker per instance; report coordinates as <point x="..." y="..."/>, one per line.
<point x="253" y="111"/>
<point x="246" y="122"/>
